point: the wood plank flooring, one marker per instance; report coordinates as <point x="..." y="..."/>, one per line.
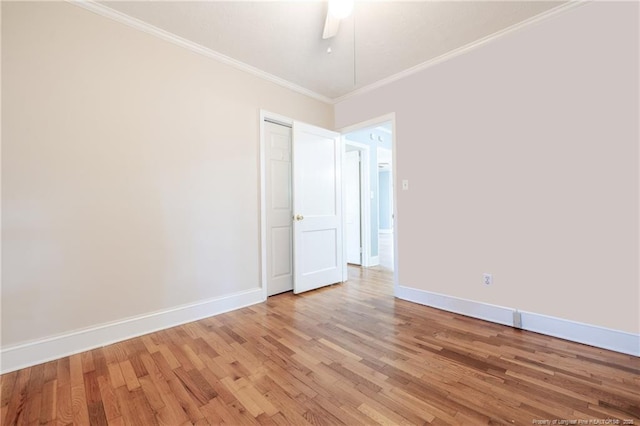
<point x="348" y="354"/>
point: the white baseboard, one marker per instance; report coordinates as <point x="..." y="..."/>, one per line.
<point x="593" y="335"/>
<point x="43" y="350"/>
<point x="374" y="261"/>
<point x="484" y="311"/>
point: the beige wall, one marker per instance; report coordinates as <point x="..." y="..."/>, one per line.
<point x="522" y="158"/>
<point x="129" y="171"/>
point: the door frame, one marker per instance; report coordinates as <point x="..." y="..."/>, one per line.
<point x="277" y="118"/>
<point x="391" y="117"/>
<point x="365" y="202"/>
<point x="389" y="169"/>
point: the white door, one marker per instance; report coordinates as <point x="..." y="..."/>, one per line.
<point x="279" y="206"/>
<point x="317" y="195"/>
<point x="352" y="208"/>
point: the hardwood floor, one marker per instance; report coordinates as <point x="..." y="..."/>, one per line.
<point x="348" y="354"/>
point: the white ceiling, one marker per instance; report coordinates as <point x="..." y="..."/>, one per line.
<point x="285" y="38"/>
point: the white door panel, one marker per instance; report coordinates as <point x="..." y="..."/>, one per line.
<point x="324" y="240"/>
<point x="281" y="179"/>
<point x="317" y="195"/>
<point x="317" y="158"/>
<point x="279" y="209"/>
<point x="281" y="262"/>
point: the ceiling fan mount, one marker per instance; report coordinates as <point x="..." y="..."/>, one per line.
<point x="336" y="11"/>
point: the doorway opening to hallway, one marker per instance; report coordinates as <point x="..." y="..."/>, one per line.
<point x="369" y="195"/>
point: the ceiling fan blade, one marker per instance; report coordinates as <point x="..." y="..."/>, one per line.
<point x="331" y="25"/>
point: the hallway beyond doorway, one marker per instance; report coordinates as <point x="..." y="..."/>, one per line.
<point x="385" y="250"/>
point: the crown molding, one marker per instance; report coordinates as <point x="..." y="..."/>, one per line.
<point x="463" y="49"/>
<point x="122" y="18"/>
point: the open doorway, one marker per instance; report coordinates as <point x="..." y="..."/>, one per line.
<point x="368" y="195"/>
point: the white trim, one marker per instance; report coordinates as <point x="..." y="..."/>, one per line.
<point x="385" y="231"/>
<point x="262" y="209"/>
<point x="1" y="187"/>
<point x="122" y="18"/>
<point x="589" y="334"/>
<point x="484" y="311"/>
<point x="593" y="335"/>
<point x="372" y="122"/>
<point x="373" y="261"/>
<point x="394" y="180"/>
<point x="54" y="347"/>
<point x="462" y="49"/>
<point x="345" y="264"/>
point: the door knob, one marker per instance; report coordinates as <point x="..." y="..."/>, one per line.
<point x="298" y="217"/>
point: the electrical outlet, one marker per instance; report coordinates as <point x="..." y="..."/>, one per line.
<point x="405" y="184"/>
<point x="487" y="279"/>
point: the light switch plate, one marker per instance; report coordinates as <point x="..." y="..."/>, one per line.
<point x="405" y="184"/>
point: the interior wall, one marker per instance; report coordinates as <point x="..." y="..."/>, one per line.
<point x="130" y="171"/>
<point x="522" y="158"/>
